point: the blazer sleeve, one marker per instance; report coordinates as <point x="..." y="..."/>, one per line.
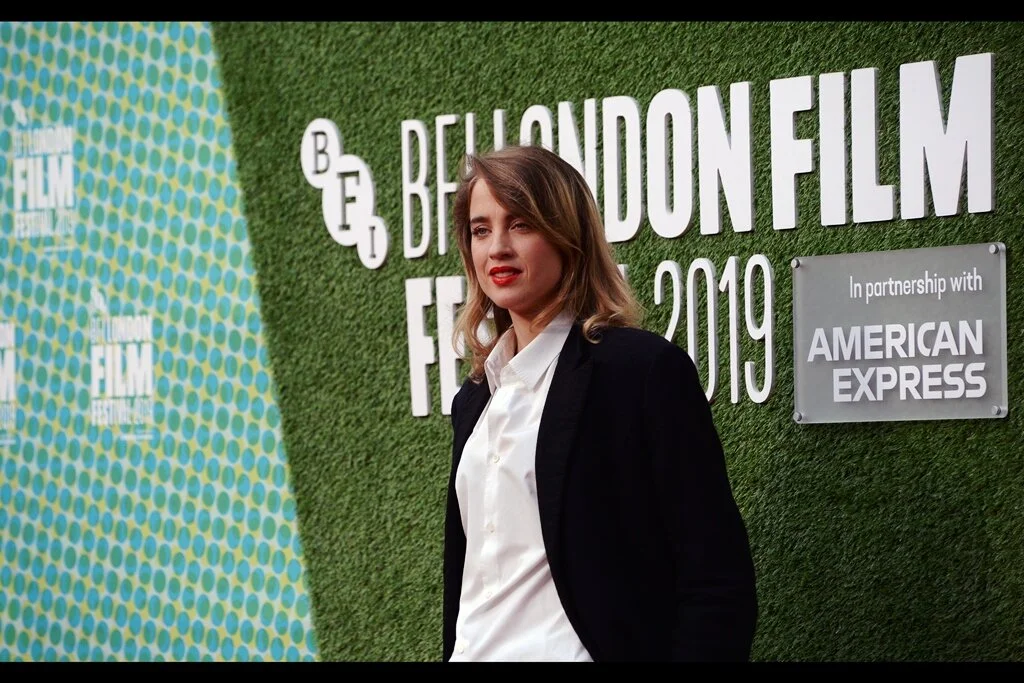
<point x="454" y="553"/>
<point x="715" y="595"/>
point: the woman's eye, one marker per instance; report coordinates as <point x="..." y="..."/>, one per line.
<point x="520" y="226"/>
<point x="478" y="231"/>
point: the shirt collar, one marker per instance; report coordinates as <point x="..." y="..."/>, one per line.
<point x="530" y="363"/>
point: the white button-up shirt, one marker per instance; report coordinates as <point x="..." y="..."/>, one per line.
<point x="509" y="609"/>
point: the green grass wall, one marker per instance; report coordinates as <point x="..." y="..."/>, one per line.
<point x="872" y="541"/>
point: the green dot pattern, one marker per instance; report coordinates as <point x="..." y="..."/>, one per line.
<point x="175" y="539"/>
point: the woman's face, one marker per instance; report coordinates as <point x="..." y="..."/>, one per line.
<point x="518" y="269"/>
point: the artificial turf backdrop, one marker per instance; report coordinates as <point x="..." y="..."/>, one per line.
<point x="872" y="541"/>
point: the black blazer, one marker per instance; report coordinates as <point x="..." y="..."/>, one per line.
<point x="647" y="548"/>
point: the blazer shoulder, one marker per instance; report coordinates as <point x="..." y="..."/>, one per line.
<point x="632" y="345"/>
<point x="467" y="388"/>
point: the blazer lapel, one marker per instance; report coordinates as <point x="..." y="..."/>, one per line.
<point x="556" y="435"/>
<point x="467" y="418"/>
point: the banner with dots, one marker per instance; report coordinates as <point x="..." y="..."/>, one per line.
<point x="145" y="510"/>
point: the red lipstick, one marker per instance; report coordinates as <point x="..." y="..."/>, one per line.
<point x="503" y="275"/>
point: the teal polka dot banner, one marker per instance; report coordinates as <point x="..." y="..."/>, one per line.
<point x="145" y="508"/>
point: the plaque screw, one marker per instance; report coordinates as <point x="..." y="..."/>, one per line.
<point x="992" y="249"/>
<point x="798" y="416"/>
<point x="997" y="410"/>
<point x="795" y="263"/>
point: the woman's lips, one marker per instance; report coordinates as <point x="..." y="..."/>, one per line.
<point x="504" y="276"/>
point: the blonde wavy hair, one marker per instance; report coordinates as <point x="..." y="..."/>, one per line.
<point x="539" y="187"/>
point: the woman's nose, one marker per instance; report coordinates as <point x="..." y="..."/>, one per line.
<point x="501" y="245"/>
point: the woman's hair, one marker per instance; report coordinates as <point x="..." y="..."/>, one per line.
<point x="545" y="191"/>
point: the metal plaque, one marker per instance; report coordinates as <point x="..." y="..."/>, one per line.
<point x="910" y="334"/>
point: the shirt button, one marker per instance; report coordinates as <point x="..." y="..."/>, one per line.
<point x="497" y="458"/>
<point x="461" y="649"/>
<point x="489" y="594"/>
<point x="490" y="528"/>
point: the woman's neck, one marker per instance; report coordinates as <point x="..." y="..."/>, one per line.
<point x="525" y="330"/>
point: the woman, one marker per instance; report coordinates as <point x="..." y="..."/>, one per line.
<point x="590" y="515"/>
